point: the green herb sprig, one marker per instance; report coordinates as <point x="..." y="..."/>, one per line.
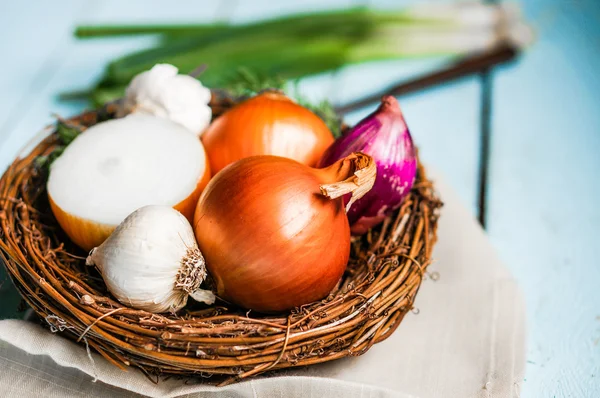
<point x="325" y="110"/>
<point x="66" y="133"/>
<point x="249" y="83"/>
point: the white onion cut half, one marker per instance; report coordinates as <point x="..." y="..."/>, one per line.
<point x="115" y="167"/>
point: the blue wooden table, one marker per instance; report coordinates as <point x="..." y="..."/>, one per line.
<point x="543" y="188"/>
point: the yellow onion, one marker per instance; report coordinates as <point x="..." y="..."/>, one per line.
<point x="267" y="124"/>
<point x="118" y="166"/>
<point x="274" y="232"/>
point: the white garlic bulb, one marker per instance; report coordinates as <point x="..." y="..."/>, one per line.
<point x="151" y="261"/>
<point x="164" y="93"/>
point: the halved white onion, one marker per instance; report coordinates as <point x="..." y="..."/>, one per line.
<point x="118" y="166"/>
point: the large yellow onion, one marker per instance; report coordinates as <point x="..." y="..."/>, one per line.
<point x="267" y="124"/>
<point x="118" y="166"/>
<point x="274" y="232"/>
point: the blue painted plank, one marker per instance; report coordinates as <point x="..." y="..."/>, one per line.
<point x="543" y="199"/>
<point x="33" y="40"/>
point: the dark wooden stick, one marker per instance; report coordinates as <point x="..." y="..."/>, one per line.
<point x="485" y="139"/>
<point x="465" y="67"/>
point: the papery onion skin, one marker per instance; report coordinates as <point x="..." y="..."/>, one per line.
<point x="267" y="124"/>
<point x="270" y="238"/>
<point x="385" y="136"/>
<point x="85" y="233"/>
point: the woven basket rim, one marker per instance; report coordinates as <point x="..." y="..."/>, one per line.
<point x="383" y="277"/>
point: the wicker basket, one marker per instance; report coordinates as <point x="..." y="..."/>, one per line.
<point x="385" y="271"/>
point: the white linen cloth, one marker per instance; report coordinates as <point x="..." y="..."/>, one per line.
<point x="467" y="340"/>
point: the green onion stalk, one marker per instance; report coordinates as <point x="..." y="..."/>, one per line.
<point x="300" y="45"/>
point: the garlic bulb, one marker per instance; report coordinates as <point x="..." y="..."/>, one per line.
<point x="151" y="261"/>
<point x="164" y="93"/>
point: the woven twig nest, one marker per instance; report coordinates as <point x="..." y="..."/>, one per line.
<point x="384" y="273"/>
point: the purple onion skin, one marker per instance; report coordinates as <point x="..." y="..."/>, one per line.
<point x="383" y="135"/>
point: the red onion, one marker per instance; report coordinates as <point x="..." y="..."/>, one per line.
<point x="383" y="135"/>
